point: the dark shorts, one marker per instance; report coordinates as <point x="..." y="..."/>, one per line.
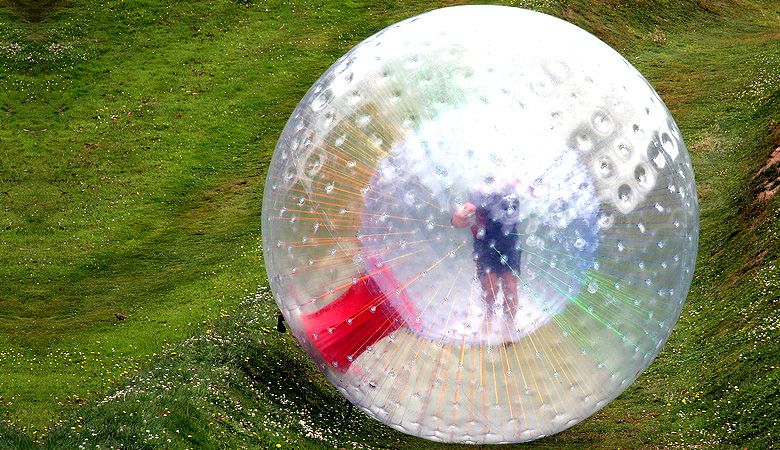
<point x="496" y="254"/>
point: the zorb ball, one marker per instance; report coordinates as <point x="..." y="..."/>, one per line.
<point x="481" y="224"/>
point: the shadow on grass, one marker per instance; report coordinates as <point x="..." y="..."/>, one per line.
<point x="35" y="10"/>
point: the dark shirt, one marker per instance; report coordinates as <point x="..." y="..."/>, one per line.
<point x="495" y="232"/>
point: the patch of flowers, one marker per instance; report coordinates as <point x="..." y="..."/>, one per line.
<point x="241" y="381"/>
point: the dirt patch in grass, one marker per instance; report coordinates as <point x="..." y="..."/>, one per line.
<point x="659" y="37"/>
<point x="766" y="181"/>
<point x="709" y="142"/>
<point x="768" y="177"/>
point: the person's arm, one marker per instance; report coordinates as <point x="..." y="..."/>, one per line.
<point x="463" y="215"/>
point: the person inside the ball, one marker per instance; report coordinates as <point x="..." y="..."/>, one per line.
<point x="493" y="217"/>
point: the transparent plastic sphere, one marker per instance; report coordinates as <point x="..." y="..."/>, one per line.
<point x="481" y="223"/>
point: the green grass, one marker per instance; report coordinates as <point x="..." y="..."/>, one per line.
<point x="134" y="142"/>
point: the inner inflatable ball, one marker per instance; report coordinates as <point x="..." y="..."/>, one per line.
<point x="481" y="224"/>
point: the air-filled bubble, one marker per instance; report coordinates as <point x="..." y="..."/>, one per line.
<point x="476" y="238"/>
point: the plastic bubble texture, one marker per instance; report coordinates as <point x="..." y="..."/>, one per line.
<point x="481" y="223"/>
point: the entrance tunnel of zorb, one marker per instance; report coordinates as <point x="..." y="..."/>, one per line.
<point x="481" y="223"/>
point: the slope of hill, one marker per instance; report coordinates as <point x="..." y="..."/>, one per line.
<point x="133" y="148"/>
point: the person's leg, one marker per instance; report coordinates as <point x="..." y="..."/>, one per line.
<point x="510" y="275"/>
<point x="489" y="281"/>
<point x="509" y="284"/>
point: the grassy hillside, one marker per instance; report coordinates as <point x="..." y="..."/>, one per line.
<point x="134" y="139"/>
